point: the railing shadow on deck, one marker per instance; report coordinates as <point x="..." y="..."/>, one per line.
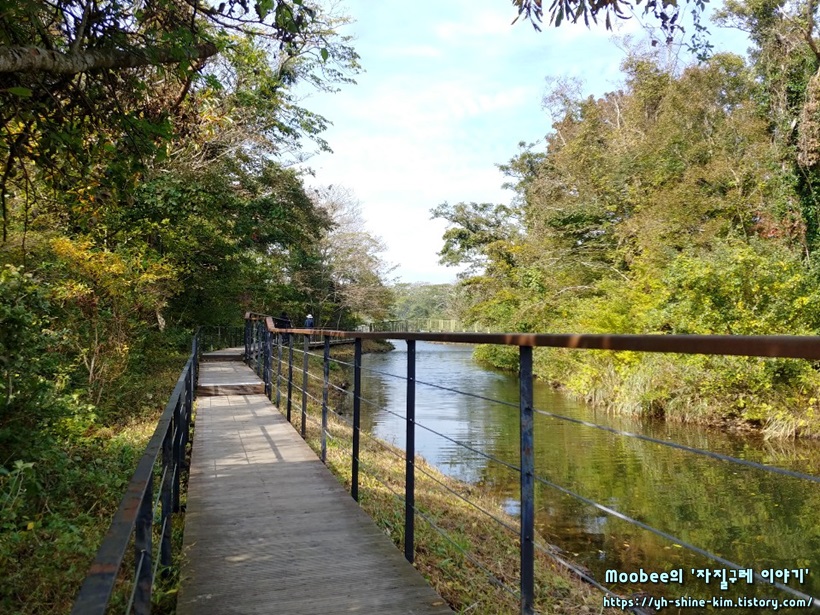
<point x="270" y="352"/>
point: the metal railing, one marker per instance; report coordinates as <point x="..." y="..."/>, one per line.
<point x="266" y="345"/>
<point x="137" y="515"/>
<point x="417" y="325"/>
<point x="213" y="337"/>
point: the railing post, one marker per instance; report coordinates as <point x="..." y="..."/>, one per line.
<point x="305" y="348"/>
<point x="260" y="344"/>
<point x="143" y="566"/>
<point x="258" y="353"/>
<point x="187" y="408"/>
<point x="279" y="368"/>
<point x="168" y="470"/>
<point x="325" y="383"/>
<point x="248" y="341"/>
<point x="527" y="481"/>
<point x="178" y="452"/>
<point x="195" y="354"/>
<point x="410" y="455"/>
<point x="290" y="374"/>
<point x="357" y="409"/>
<point x="268" y="363"/>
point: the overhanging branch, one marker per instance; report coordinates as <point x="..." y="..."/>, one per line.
<point x="37" y="59"/>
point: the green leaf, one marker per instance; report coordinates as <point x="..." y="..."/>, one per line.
<point x="263" y="7"/>
<point x="20" y="91"/>
<point x="325" y="54"/>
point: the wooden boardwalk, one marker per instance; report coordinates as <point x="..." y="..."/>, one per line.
<point x="268" y="528"/>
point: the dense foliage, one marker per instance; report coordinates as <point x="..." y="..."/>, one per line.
<point x="418" y="301"/>
<point x="686" y="202"/>
<point x="147" y="186"/>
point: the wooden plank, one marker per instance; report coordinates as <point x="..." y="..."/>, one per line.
<point x="270" y="530"/>
<point x="225" y="354"/>
<point x="228" y="378"/>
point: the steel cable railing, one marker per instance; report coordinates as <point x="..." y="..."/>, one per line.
<point x="493" y="579"/>
<point x="673" y="539"/>
<point x="452" y="491"/>
<point x="416" y="510"/>
<point x="774" y="346"/>
<point x="514" y="530"/>
<point x="576" y="570"/>
<point x="472" y="449"/>
<point x="684" y="447"/>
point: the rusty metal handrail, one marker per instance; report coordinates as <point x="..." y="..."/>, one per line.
<point x="783" y="346"/>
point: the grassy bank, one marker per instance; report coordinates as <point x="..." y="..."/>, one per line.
<point x="56" y="506"/>
<point x="776" y="396"/>
<point x="456" y="566"/>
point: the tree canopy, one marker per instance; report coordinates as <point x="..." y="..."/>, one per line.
<point x="667" y="15"/>
<point x="147" y="185"/>
<point x="683" y="202"/>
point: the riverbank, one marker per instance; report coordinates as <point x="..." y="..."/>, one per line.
<point x="777" y="398"/>
<point x="456" y="566"/>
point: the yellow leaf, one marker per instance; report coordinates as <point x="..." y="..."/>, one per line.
<point x="30" y="526"/>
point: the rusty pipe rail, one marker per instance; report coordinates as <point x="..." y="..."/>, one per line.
<point x="781" y="346"/>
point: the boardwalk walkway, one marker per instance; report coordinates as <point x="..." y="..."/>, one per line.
<point x="269" y="529"/>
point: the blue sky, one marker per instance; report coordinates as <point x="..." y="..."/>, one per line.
<point x="449" y="90"/>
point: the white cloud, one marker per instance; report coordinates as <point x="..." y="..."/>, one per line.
<point x="474" y="25"/>
<point x="413" y="51"/>
<point x="450" y="90"/>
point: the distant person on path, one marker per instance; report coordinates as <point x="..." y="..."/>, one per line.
<point x="309" y="321"/>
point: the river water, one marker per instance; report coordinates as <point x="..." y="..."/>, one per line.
<point x="754" y="518"/>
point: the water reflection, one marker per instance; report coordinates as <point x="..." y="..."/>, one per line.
<point x="745" y="515"/>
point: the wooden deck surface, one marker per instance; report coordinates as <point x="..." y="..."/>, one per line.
<point x="235" y="353"/>
<point x="268" y="528"/>
<point x="227" y="378"/>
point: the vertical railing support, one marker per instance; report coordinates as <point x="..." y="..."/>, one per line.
<point x="258" y="367"/>
<point x="357" y="416"/>
<point x="527" y="481"/>
<point x="143" y="566"/>
<point x="305" y="348"/>
<point x="410" y="455"/>
<point x="166" y="495"/>
<point x="279" y="368"/>
<point x="178" y="452"/>
<point x="187" y="407"/>
<point x="260" y="344"/>
<point x="290" y="374"/>
<point x="248" y="341"/>
<point x="268" y="369"/>
<point x="325" y="386"/>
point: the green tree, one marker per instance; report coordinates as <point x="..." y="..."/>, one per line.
<point x="420" y="301"/>
<point x="666" y="206"/>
